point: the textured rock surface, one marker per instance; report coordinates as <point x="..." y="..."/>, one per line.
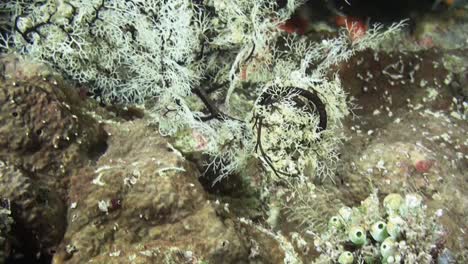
<point x="44" y="138"/>
<point x="38" y="211"/>
<point x="43" y="128"/>
<point x="142" y="202"/>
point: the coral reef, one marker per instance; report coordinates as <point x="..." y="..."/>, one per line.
<point x="119" y="150"/>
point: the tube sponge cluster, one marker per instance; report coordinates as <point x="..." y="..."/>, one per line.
<point x="395" y="231"/>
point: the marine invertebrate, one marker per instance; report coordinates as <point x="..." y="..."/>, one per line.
<point x="400" y="231"/>
<point x="346" y="258"/>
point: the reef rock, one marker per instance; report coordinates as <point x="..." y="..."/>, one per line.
<point x="142" y="203"/>
<point x="44" y="138"/>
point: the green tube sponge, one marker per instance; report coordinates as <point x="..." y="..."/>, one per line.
<point x="388" y="248"/>
<point x="392" y="202"/>
<point x="335" y="222"/>
<point x="346" y="258"/>
<point x="357" y="235"/>
<point x="378" y="231"/>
